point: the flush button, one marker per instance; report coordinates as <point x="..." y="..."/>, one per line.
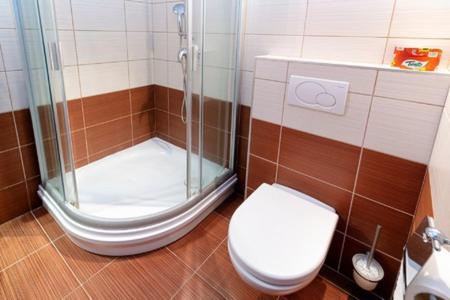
<point x="318" y="94"/>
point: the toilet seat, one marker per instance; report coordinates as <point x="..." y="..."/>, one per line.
<point x="272" y="233"/>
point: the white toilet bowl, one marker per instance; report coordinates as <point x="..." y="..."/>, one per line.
<point x="278" y="239"/>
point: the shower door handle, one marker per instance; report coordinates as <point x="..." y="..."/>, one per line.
<point x="53" y="52"/>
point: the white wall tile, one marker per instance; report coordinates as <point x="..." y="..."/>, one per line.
<point x="63" y="12"/>
<point x="255" y="45"/>
<point x="173" y="46"/>
<point x="5" y="102"/>
<point x="271" y="69"/>
<point x="160" y="72"/>
<point x="68" y="50"/>
<point x="219" y="50"/>
<point x="175" y="75"/>
<point x="140" y="45"/>
<point x="246" y="88"/>
<point x="103" y="78"/>
<point x="349" y="49"/>
<point x="159" y="17"/>
<point x="218" y="83"/>
<point x="348" y="128"/>
<point x="10" y="49"/>
<point x="276" y="17"/>
<point x="425" y="88"/>
<point x="140" y="73"/>
<point x="361" y="80"/>
<point x="268" y="99"/>
<point x="6" y="14"/>
<point x="421" y="43"/>
<point x="220" y="16"/>
<point x="17" y="89"/>
<point x="71" y="83"/>
<point x="137" y="18"/>
<point x="439" y="170"/>
<point x="2" y="66"/>
<point x="100" y="46"/>
<point x="98" y="15"/>
<point x="425" y="19"/>
<point x="160" y="45"/>
<point x="369" y="18"/>
<point x="402" y="129"/>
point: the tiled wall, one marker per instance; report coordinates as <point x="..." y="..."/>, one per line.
<point x="354" y="30"/>
<point x="19" y="172"/>
<point x="439" y="174"/>
<point x="369" y="163"/>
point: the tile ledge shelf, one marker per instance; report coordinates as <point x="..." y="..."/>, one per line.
<point x="380" y="67"/>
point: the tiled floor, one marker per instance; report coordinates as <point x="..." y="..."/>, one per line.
<point x="38" y="261"/>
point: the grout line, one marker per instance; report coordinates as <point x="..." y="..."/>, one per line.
<point x="349" y="215"/>
<point x="389" y="31"/>
<point x="304" y="30"/>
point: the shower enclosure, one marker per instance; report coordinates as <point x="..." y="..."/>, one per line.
<point x="130" y="168"/>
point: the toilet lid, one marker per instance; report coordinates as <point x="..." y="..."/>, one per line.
<point x="279" y="237"/>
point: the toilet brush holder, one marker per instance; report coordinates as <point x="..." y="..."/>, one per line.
<point x="367" y="272"/>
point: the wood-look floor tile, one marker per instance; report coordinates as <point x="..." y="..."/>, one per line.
<point x="219" y="273"/>
<point x="319" y="289"/>
<point x="196" y="246"/>
<point x="78" y="294"/>
<point x="18" y="238"/>
<point x="7" y="132"/>
<point x="13" y="202"/>
<point x="42" y="275"/>
<point x="155" y="275"/>
<point x="229" y="205"/>
<point x="83" y="263"/>
<point x="48" y="223"/>
<point x="197" y="288"/>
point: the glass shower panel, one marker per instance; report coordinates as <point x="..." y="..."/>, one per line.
<point x="45" y="92"/>
<point x="220" y="43"/>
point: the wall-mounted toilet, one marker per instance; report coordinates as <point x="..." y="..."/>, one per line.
<point x="278" y="239"/>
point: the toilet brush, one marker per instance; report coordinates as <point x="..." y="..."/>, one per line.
<point x="367" y="272"/>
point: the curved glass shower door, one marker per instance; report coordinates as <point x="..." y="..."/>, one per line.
<point x="37" y="32"/>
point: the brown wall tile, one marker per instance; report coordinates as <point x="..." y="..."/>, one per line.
<point x="425" y="204"/>
<point x="161" y="98"/>
<point x="217" y="113"/>
<point x="109" y="151"/>
<point x="79" y="145"/>
<point x="30" y="161"/>
<point x="106" y="107"/>
<point x="142" y="99"/>
<point x="33" y="187"/>
<point x="10" y="168"/>
<point x="75" y="111"/>
<point x="177" y="129"/>
<point x="265" y="139"/>
<point x="334" y="252"/>
<point x="390" y="180"/>
<point x="108" y="135"/>
<point x="328" y="160"/>
<point x="242" y="150"/>
<point x="260" y="171"/>
<point x="365" y="216"/>
<point x="175" y="101"/>
<point x="244" y="121"/>
<point x="391" y="266"/>
<point x="333" y="196"/>
<point x="8" y="136"/>
<point x="24" y="126"/>
<point x="13" y="202"/>
<point x="143" y="124"/>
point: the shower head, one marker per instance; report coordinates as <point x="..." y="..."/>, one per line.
<point x="178" y="9"/>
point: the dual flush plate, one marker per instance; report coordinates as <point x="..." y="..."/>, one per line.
<point x="318" y="94"/>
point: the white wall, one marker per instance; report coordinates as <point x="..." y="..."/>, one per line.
<point x="352" y="30"/>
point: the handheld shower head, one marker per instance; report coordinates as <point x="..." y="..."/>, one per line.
<point x="179" y="10"/>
